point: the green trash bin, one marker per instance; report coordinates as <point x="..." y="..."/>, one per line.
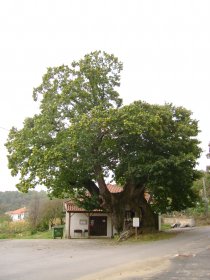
<point x="57" y="231"/>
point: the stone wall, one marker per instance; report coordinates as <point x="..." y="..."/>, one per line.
<point x="183" y="222"/>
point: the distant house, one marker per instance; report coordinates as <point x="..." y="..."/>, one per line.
<point x="18" y="215"/>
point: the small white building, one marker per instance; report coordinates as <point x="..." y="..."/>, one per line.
<point x="83" y="223"/>
<point x="18" y="215"/>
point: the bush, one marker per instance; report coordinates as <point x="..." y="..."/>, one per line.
<point x="4" y="218"/>
<point x="10" y="229"/>
<point x="19" y="227"/>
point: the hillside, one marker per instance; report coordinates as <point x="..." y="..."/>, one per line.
<point x="12" y="200"/>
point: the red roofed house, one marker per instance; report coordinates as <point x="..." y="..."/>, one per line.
<point x="83" y="223"/>
<point x="18" y="215"/>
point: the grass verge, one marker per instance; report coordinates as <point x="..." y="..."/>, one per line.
<point x="148" y="237"/>
<point x="27" y="235"/>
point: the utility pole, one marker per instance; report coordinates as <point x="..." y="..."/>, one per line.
<point x="205" y="198"/>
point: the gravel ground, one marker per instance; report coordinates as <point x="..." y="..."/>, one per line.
<point x="183" y="257"/>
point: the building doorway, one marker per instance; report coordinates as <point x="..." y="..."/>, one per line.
<point x="98" y="226"/>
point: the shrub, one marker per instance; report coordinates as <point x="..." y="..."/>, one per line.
<point x="9" y="229"/>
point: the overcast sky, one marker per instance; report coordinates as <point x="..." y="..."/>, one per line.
<point x="164" y="46"/>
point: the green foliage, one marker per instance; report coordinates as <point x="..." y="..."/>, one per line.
<point x="4" y="218"/>
<point x="10" y="229"/>
<point x="203" y="185"/>
<point x="51" y="213"/>
<point x="202" y="188"/>
<point x="23" y="233"/>
<point x="83" y="200"/>
<point x="198" y="209"/>
<point x="42" y="151"/>
<point x="39" y="235"/>
<point x="83" y="136"/>
<point x="44" y="213"/>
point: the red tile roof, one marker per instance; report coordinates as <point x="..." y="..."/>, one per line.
<point x="71" y="207"/>
<point x="114" y="188"/>
<point x="18" y="211"/>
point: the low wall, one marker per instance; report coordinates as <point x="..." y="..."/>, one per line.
<point x="184" y="222"/>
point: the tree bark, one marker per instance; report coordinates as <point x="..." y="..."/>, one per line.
<point x="130" y="199"/>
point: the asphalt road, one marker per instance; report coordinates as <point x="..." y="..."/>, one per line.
<point x="184" y="257"/>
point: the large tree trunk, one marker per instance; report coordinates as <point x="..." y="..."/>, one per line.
<point x="130" y="199"/>
<point x="149" y="221"/>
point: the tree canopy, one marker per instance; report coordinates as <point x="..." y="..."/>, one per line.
<point x="84" y="137"/>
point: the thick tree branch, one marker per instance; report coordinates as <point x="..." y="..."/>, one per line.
<point x="91" y="187"/>
<point x="100" y="179"/>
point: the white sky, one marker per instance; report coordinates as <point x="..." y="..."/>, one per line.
<point x="164" y="46"/>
